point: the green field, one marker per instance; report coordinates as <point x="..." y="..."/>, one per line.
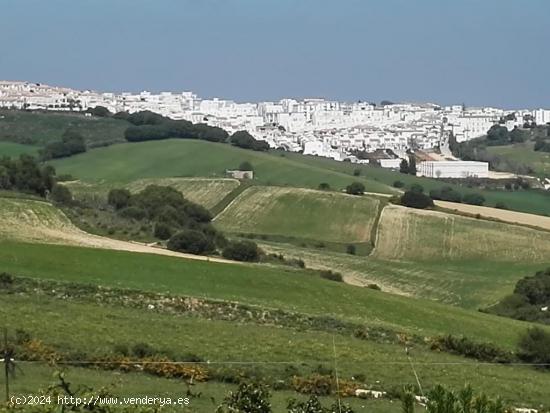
<point x="38" y="128"/>
<point x="93" y="329"/>
<point x="533" y="201"/>
<point x="466" y="283"/>
<point x="306" y="214"/>
<point x="524" y="153"/>
<point x="129" y="162"/>
<point x="13" y="150"/>
<point x="273" y="287"/>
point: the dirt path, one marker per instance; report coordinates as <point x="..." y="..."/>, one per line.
<point x="501" y="214"/>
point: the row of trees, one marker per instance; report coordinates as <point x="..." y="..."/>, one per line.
<point x="152" y="126"/>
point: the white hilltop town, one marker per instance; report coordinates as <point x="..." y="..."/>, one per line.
<point x="339" y="130"/>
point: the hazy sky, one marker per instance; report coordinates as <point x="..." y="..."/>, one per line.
<point x="480" y="52"/>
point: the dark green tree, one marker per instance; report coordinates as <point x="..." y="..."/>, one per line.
<point x="355" y="188"/>
<point x="118" y="198"/>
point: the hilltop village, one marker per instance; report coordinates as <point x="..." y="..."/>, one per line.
<point x="382" y="133"/>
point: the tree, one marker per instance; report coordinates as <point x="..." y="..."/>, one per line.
<point x="356" y="172"/>
<point x="191" y="241"/>
<point x="323" y="186"/>
<point x="241" y="251"/>
<point x="398" y="184"/>
<point x="497" y="134"/>
<point x="355" y="188"/>
<point x="351" y="249"/>
<point x="99" y="111"/>
<point x="249" y="398"/>
<point x="245" y="166"/>
<point x="118" y="198"/>
<point x="414" y="199"/>
<point x="61" y="194"/>
<point x="245" y="140"/>
<point x="534" y="346"/>
<point x="417" y="188"/>
<point x="162" y="231"/>
<point x="517" y="135"/>
<point x="412" y="165"/>
<point x="404" y="166"/>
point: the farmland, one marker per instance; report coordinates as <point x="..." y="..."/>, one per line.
<point x="426" y="235"/>
<point x="301" y="213"/>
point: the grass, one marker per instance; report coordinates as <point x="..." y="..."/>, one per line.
<point x="470" y="284"/>
<point x="13" y="150"/>
<point x="193" y="158"/>
<point x="271" y="287"/>
<point x="306" y="214"/>
<point x="525" y="154"/>
<point x="39" y="128"/>
<point x="40" y="376"/>
<point x="92" y="329"/>
<point x="532" y="201"/>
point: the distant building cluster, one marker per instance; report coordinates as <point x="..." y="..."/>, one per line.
<point x="338" y="130"/>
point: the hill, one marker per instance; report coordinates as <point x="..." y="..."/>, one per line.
<point x="523" y="153"/>
<point x="531" y="201"/>
<point x="301" y="213"/>
<point x="41" y="128"/>
<point x="129" y="162"/>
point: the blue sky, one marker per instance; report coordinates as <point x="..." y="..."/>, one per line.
<point x="478" y="52"/>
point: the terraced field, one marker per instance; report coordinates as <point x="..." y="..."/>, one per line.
<point x="409" y="234"/>
<point x="204" y="191"/>
<point x="324" y="216"/>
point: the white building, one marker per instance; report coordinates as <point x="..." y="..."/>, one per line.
<point x="453" y="169"/>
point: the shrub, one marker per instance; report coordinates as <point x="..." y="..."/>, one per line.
<point x="249" y="398"/>
<point x="414" y="199"/>
<point x="446" y="194"/>
<point x="398" y="184"/>
<point x="118" y="198"/>
<point x="534" y="346"/>
<point x="417" y="188"/>
<point x="351" y="249"/>
<point x="323" y="186"/>
<point x="468" y="348"/>
<point x="142" y="350"/>
<point x="241" y="251"/>
<point x="191" y="241"/>
<point x="355" y="188"/>
<point x="474" y="199"/>
<point x="501" y="205"/>
<point x="133" y="212"/>
<point x="317" y="384"/>
<point x="246" y="166"/>
<point x="356" y="172"/>
<point x="61" y="194"/>
<point x="331" y="275"/>
<point x="162" y="231"/>
<point x="6" y="280"/>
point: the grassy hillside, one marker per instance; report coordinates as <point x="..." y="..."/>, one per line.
<point x="270" y="349"/>
<point x="535" y="202"/>
<point x="301" y="213"/>
<point x="13" y="150"/>
<point x="523" y="153"/>
<point x="38" y="128"/>
<point x="406" y="233"/>
<point x="466" y="283"/>
<point x="254" y="284"/>
<point x="192" y="158"/>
